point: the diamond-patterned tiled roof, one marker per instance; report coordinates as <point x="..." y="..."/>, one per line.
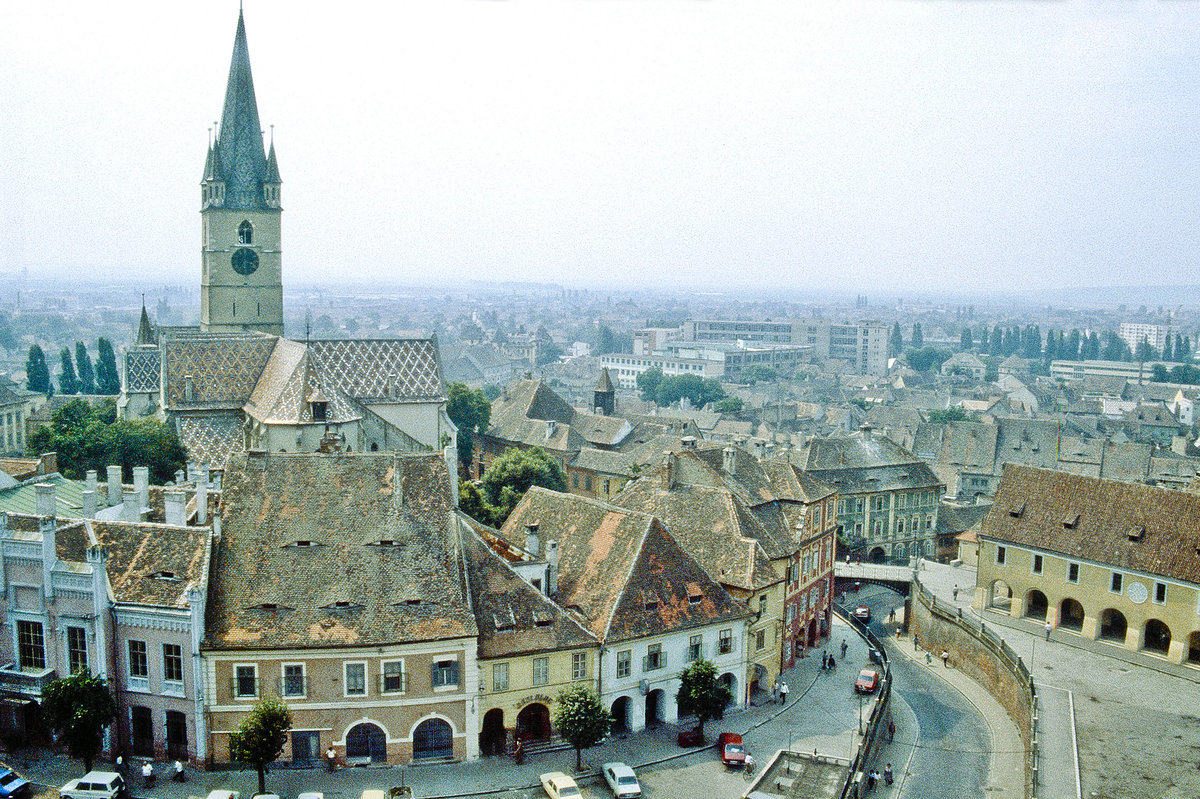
<point x="224" y="368"/>
<point x="142" y="369"/>
<point x="388" y="370"/>
<point x="288" y="384"/>
<point x="212" y="438"/>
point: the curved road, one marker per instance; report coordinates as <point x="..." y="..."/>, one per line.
<point x="950" y="753"/>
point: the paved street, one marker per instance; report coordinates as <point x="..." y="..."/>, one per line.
<point x="941" y="749"/>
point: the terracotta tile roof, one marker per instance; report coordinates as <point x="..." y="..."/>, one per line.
<point x="153" y="564"/>
<point x="788" y="482"/>
<point x="711" y="525"/>
<point x="71" y="539"/>
<point x="1127" y="525"/>
<point x="343" y="549"/>
<point x="513" y="616"/>
<point x="521" y="414"/>
<point x="620" y="571"/>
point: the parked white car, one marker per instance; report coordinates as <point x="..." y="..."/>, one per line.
<point x="621" y="780"/>
<point x="558" y="785"/>
<point x="94" y="785"/>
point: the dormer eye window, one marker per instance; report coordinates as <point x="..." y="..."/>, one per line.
<point x="319" y="411"/>
<point x="245" y="232"/>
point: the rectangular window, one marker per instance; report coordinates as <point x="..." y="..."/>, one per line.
<point x="695" y="647"/>
<point x="445" y="672"/>
<point x="624" y="659"/>
<point x="393" y="677"/>
<point x="1037" y="564"/>
<point x="31" y="645"/>
<point x="139" y="665"/>
<point x="1001" y="552"/>
<point x="654" y="658"/>
<point x="541" y="671"/>
<point x="1115" y="584"/>
<point x="293" y="680"/>
<point x="1072" y="572"/>
<point x="724" y="642"/>
<point x="172" y="663"/>
<point x="245" y="681"/>
<point x="77" y="657"/>
<point x="579" y="665"/>
<point x="760" y="640"/>
<point x="355" y="678"/>
<point x="499" y="676"/>
<point x="1160" y="593"/>
<point x="762" y="604"/>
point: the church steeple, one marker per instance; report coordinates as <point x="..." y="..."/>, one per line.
<point x="145" y="334"/>
<point x="240" y="160"/>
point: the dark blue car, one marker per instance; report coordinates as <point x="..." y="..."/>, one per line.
<point x="12" y="783"/>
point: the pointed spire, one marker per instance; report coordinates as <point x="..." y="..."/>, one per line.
<point x="272" y="162"/>
<point x="604" y="384"/>
<point x="145" y="329"/>
<point x="239" y="149"/>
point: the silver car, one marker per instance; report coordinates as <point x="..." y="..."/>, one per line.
<point x="621" y="780"/>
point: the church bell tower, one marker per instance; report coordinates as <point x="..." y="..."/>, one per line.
<point x="241" y="284"/>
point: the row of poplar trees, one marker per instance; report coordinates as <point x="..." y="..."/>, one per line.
<point x="76" y="375"/>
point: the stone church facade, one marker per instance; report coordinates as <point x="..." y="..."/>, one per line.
<point x="235" y="383"/>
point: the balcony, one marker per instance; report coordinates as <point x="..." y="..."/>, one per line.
<point x="26" y="682"/>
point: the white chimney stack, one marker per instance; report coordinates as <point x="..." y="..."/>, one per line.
<point x="131" y="510"/>
<point x="202" y="495"/>
<point x="174" y="501"/>
<point x="89" y="504"/>
<point x="532" y="545"/>
<point x="45" y="500"/>
<point x="114" y="485"/>
<point x="551" y="568"/>
<point x="141" y="484"/>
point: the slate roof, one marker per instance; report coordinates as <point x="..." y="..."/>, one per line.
<point x="1033" y="507"/>
<point x="712" y="526"/>
<point x="856" y="451"/>
<point x="621" y="571"/>
<point x="239" y="151"/>
<point x="520" y="415"/>
<point x="514" y="618"/>
<point x="305" y="532"/>
<point x="287" y="386"/>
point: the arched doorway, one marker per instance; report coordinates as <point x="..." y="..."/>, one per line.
<point x="493" y="738"/>
<point x="813" y="634"/>
<point x="1070" y="615"/>
<point x="533" y="722"/>
<point x="877" y="555"/>
<point x="620" y="714"/>
<point x="433" y="738"/>
<point x="1193" y="655"/>
<point x="654" y="707"/>
<point x="1036" y="604"/>
<point x="1113" y="625"/>
<point x="730" y="682"/>
<point x="1156" y="636"/>
<point x="366" y="743"/>
<point x="1000" y="596"/>
<point x="900" y="553"/>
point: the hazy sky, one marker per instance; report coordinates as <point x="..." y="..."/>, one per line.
<point x="863" y="146"/>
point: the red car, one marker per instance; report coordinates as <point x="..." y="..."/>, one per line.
<point x="690" y="738"/>
<point x="867" y="682"/>
<point x="731" y="749"/>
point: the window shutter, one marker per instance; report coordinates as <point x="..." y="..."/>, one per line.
<point x="433" y="674"/>
<point x="454" y="673"/>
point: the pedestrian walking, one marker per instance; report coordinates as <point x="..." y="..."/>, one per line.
<point x="1049" y="627"/>
<point x="783" y="692"/>
<point x="843" y="647"/>
<point x="891" y="730"/>
<point x="945" y="658"/>
<point x="331" y="758"/>
<point x="519" y="752"/>
<point x="178" y="775"/>
<point x="148" y="774"/>
<point x="871" y="780"/>
<point x="915" y="643"/>
<point x="891" y="615"/>
<point x="956" y="593"/>
<point x="888" y="777"/>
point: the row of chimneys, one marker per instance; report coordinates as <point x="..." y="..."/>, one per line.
<point x="135" y="501"/>
<point x="533" y="546"/>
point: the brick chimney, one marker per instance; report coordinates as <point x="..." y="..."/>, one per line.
<point x="668" y="470"/>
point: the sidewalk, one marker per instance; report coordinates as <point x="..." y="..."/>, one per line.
<point x="1006" y="771"/>
<point x="763" y="725"/>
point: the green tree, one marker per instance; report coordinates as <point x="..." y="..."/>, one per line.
<point x="1168" y="353"/>
<point x="1145" y="352"/>
<point x="259" y="739"/>
<point x="895" y="341"/>
<point x="87" y="376"/>
<point x="78" y="708"/>
<point x="68" y="383"/>
<point x="918" y="337"/>
<point x="927" y="359"/>
<point x="728" y="405"/>
<point x="759" y="373"/>
<point x="108" y="381"/>
<point x="701" y="694"/>
<point x="470" y="411"/>
<point x="1115" y="348"/>
<point x="648" y="382"/>
<point x="37" y="372"/>
<point x="507" y="480"/>
<point x="955" y="413"/>
<point x="582" y="719"/>
<point x="8" y="339"/>
<point x="996" y="345"/>
<point x="1158" y="373"/>
<point x="87" y="436"/>
<point x="966" y="339"/>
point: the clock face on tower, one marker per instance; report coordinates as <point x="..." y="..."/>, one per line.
<point x="244" y="261"/>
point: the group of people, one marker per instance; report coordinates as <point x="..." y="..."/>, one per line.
<point x="148" y="775"/>
<point x="873" y="777"/>
<point x="781" y="690"/>
<point x="828" y="662"/>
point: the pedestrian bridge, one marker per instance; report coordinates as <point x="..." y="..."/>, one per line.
<point x="876" y="572"/>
